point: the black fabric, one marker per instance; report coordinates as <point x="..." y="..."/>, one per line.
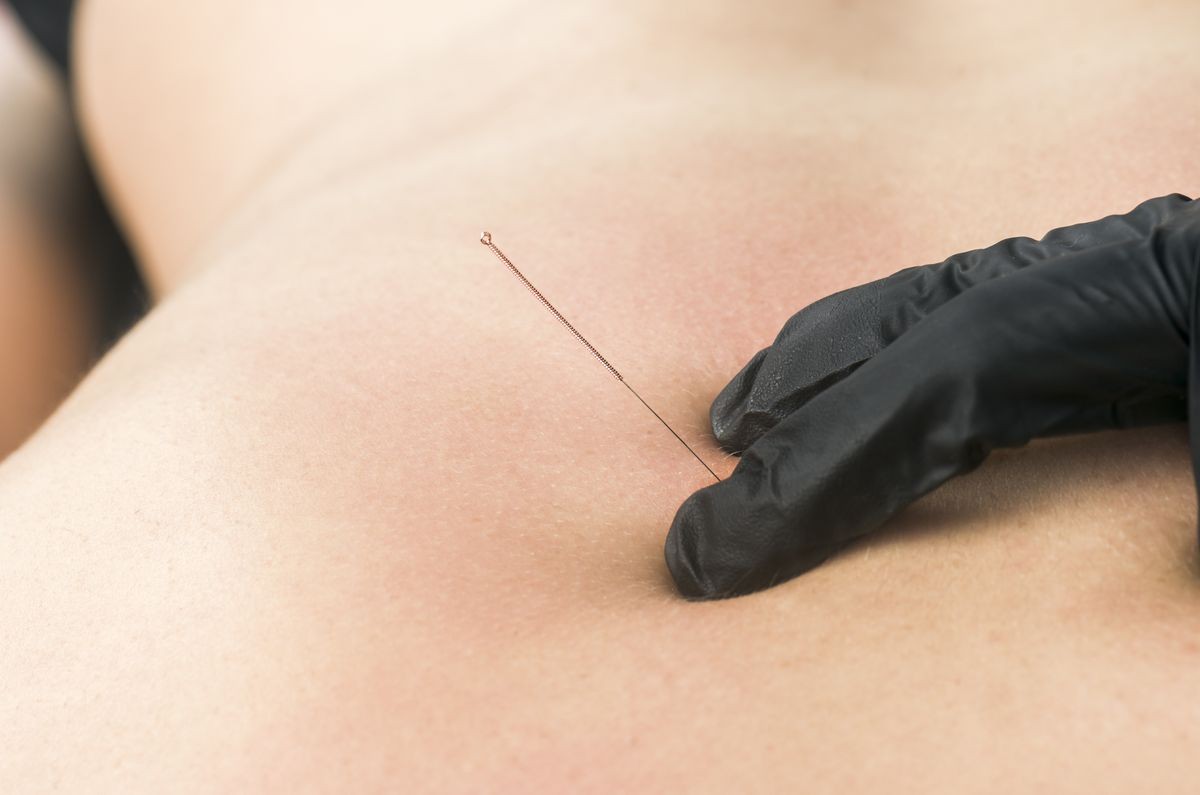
<point x="874" y="396"/>
<point x="49" y="23"/>
<point x="111" y="268"/>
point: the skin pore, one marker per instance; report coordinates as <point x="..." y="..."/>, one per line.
<point x="348" y="510"/>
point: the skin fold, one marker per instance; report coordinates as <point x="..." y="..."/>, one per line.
<point x="349" y="510"/>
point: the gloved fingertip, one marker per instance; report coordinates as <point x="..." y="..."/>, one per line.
<point x="682" y="550"/>
<point x="708" y="551"/>
<point x="737" y="536"/>
<point x="689" y="548"/>
<point x="728" y="412"/>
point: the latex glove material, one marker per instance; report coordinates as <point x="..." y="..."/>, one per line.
<point x="874" y="396"/>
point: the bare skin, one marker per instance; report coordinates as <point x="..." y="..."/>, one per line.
<point x="46" y="320"/>
<point x="349" y="511"/>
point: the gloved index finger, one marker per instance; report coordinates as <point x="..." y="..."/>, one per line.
<point x="829" y="339"/>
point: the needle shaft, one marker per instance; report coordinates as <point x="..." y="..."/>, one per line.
<point x="486" y="239"/>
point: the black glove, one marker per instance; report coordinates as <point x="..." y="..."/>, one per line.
<point x="875" y="396"/>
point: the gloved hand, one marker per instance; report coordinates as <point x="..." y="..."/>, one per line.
<point x="876" y="395"/>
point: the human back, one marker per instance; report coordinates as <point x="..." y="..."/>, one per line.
<point x="367" y="512"/>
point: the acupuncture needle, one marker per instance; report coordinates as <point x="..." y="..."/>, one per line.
<point x="486" y="239"/>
